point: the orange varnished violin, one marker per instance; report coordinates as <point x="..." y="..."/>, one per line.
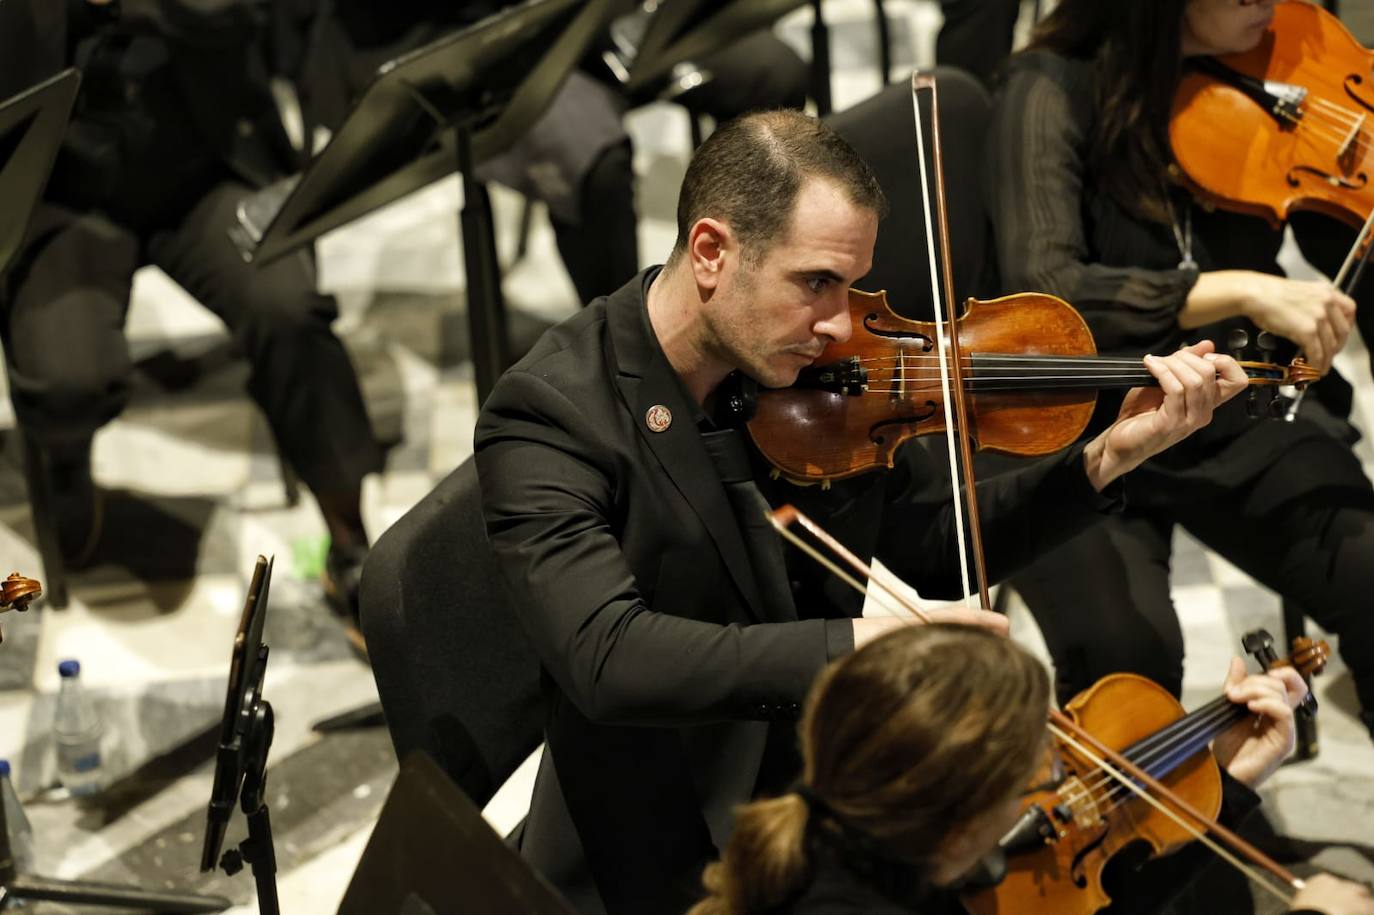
<point x="17" y="593"/>
<point x="1076" y="818"/>
<point x="1029" y="362"/>
<point x="1287" y="125"/>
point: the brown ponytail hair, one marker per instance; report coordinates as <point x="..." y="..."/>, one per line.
<point x="911" y="736"/>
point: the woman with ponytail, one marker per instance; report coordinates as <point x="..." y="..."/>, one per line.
<point x="915" y="751"/>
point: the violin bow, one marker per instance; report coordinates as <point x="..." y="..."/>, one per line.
<point x="1346" y="280"/>
<point x="1107" y="760"/>
<point x="946" y="326"/>
<point x="952" y="387"/>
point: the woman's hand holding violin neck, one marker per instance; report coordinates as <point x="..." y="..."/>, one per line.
<point x="1192" y="383"/>
<point x="1255" y="747"/>
<point x="1311" y="313"/>
<point x="1334" y="896"/>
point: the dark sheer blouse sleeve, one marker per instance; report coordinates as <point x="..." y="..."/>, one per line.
<point x="1039" y="197"/>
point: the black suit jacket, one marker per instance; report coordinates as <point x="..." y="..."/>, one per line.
<point x="663" y="669"/>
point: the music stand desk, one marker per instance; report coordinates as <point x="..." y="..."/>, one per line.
<point x="447" y="106"/>
<point x="432" y="852"/>
<point x="31" y="128"/>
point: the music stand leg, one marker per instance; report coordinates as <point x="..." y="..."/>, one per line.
<point x="820" y="60"/>
<point x="884" y="41"/>
<point x="257" y="850"/>
<point x="21" y="888"/>
<point x="486" y="308"/>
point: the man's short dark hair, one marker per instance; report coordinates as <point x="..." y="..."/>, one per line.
<point x="749" y="172"/>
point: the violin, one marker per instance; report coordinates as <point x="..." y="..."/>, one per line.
<point x="17" y="592"/>
<point x="1029" y="363"/>
<point x="1287" y="125"/>
<point x="1075" y="818"/>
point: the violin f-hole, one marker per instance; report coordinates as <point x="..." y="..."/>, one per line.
<point x="875" y="431"/>
<point x="872" y="324"/>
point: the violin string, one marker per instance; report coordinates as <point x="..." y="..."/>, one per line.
<point x="1204" y="720"/>
<point x="1148" y="756"/>
<point x="977" y="361"/>
<point x="1191" y="829"/>
<point x="1334" y="115"/>
<point x="1327" y="130"/>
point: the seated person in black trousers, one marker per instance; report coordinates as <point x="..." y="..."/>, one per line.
<point x="677" y="642"/>
<point x="915" y="752"/>
<point x="577" y="158"/>
<point x="172" y="128"/>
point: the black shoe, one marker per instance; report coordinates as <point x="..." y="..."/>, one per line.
<point x="342" y="578"/>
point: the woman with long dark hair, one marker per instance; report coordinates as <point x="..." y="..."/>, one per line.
<point x="1084" y="206"/>
<point x="915" y="751"/>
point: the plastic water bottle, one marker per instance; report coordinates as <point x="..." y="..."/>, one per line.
<point x="17" y="827"/>
<point x="76" y="734"/>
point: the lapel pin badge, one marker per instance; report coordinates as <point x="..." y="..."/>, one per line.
<point x="658" y="418"/>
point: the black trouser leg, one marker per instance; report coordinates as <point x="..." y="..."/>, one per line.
<point x="301" y="375"/>
<point x="602" y="252"/>
<point x="1102" y="603"/>
<point x="1316" y="549"/>
<point x="757" y="72"/>
<point x="64" y="328"/>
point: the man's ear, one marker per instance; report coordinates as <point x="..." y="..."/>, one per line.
<point x="709" y="243"/>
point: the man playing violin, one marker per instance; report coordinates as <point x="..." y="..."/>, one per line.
<point x="676" y="640"/>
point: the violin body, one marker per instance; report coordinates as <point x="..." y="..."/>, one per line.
<point x="1239" y="152"/>
<point x="811" y="434"/>
<point x="1064" y="876"/>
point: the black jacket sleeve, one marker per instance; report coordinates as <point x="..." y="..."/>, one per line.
<point x="550" y="494"/>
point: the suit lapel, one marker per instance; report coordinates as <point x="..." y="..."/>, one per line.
<point x="646" y="382"/>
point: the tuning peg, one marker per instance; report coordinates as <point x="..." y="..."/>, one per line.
<point x="1278" y="406"/>
<point x="1267" y="344"/>
<point x="1236" y="341"/>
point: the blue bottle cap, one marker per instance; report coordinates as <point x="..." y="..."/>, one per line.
<point x="4" y="768"/>
<point x="68" y="668"/>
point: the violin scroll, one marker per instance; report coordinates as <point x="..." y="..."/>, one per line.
<point x="17" y="593"/>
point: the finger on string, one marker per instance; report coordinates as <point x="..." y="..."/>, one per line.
<point x="1164" y="374"/>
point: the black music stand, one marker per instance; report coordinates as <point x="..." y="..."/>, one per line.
<point x="431" y="852"/>
<point x="31" y="128"/>
<point x="448" y="106"/>
<point x="241" y="762"/>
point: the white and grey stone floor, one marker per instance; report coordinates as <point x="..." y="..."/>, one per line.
<point x="196" y="495"/>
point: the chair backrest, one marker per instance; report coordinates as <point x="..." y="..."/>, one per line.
<point x="456" y="676"/>
<point x="883" y="130"/>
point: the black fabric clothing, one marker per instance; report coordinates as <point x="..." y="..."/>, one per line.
<point x="672" y="683"/>
<point x="69" y="363"/>
<point x="577" y="157"/>
<point x="172" y="123"/>
<point x="1287" y="502"/>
